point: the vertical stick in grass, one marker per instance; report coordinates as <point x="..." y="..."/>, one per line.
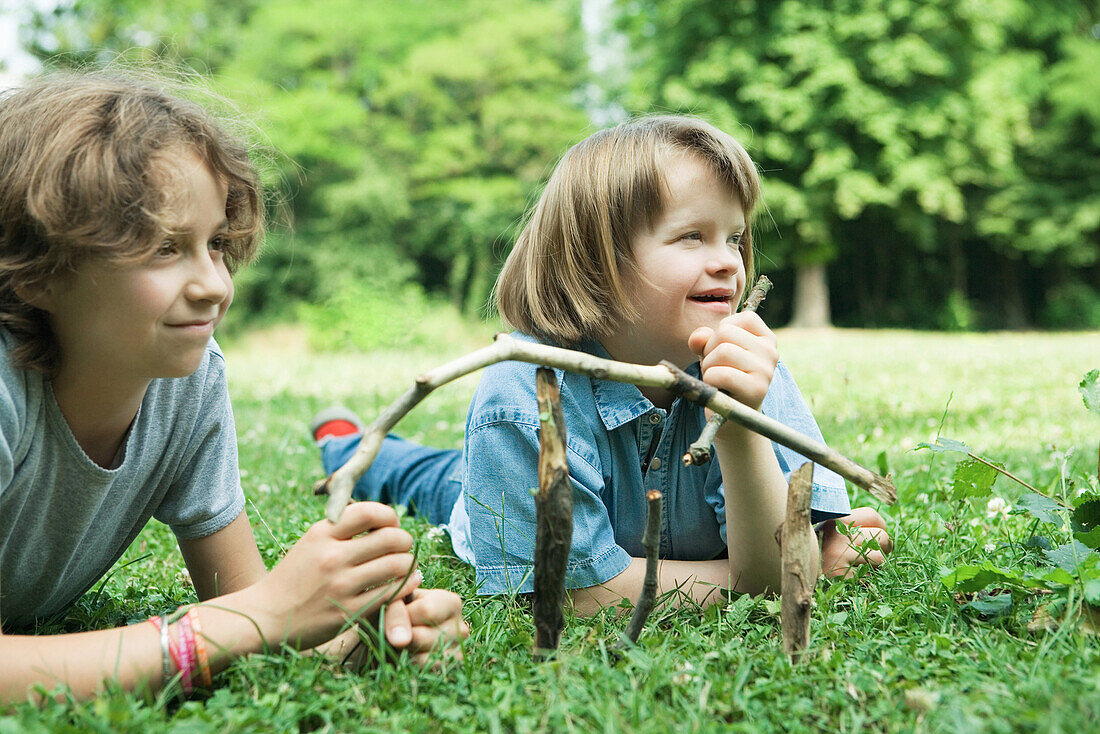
<point x="651" y="543"/>
<point x="800" y="572"/>
<point x="554" y="512"/>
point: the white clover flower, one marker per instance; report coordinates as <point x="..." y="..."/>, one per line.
<point x="996" y="507"/>
<point x="684" y="674"/>
<point x="989" y="547"/>
<point x="433" y="533"/>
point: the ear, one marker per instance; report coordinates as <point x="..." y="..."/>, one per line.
<point x="39" y="294"/>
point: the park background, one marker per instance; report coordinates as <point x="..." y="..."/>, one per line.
<point x="931" y="165"/>
<point x="928" y="167"/>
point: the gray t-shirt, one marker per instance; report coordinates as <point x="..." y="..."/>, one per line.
<point x="64" y="520"/>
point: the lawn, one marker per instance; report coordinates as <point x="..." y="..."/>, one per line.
<point x="892" y="650"/>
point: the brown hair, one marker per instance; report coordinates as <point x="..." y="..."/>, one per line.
<point x="562" y="281"/>
<point x="79" y="164"/>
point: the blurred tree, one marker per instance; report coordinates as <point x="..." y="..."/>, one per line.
<point x="892" y="134"/>
<point x="414" y="133"/>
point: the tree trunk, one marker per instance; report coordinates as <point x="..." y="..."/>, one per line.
<point x="811" y="298"/>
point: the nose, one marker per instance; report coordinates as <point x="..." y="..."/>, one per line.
<point x="209" y="279"/>
<point x="725" y="261"/>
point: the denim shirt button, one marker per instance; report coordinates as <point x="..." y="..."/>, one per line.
<point x="656" y="463"/>
<point x="654" y="418"/>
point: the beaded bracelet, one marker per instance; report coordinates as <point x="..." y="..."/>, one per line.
<point x="200" y="647"/>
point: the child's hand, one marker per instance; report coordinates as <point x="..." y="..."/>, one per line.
<point x="739" y="357"/>
<point x="436" y="627"/>
<point x="336" y="572"/>
<point x="840" y="554"/>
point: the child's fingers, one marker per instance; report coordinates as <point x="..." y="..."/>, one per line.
<point x="397" y="625"/>
<point x="391" y="576"/>
<point x="699" y="339"/>
<point x="434" y="607"/>
<point x="425" y="638"/>
<point x="751" y="322"/>
<point x="865" y="517"/>
<point x="361" y="517"/>
<point x="885" y="542"/>
<point x="378" y="543"/>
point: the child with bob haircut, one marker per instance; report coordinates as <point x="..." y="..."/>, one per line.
<point x="639" y="249"/>
<point x="124" y="209"/>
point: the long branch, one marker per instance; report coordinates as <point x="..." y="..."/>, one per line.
<point x="665" y="375"/>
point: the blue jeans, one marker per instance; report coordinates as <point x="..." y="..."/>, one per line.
<point x="403" y="473"/>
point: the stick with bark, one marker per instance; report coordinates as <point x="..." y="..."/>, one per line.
<point x="699" y="452"/>
<point x="651" y="543"/>
<point x="666" y="375"/>
<point x="554" y="513"/>
<point x="799" y="577"/>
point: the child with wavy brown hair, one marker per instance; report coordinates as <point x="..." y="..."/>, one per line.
<point x="124" y="210"/>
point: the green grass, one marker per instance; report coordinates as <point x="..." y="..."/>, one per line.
<point x="890" y="651"/>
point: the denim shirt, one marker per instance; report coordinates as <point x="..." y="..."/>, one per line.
<point x="610" y="430"/>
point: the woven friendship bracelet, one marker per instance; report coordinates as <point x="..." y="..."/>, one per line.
<point x="200" y="647"/>
<point x="186" y="647"/>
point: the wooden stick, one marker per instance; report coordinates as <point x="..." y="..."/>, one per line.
<point x="699" y="452"/>
<point x="651" y="543"/>
<point x="758" y="293"/>
<point x="554" y="513"/>
<point x="797" y="540"/>
<point x="340" y="484"/>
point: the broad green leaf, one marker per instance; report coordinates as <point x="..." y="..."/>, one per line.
<point x="976" y="578"/>
<point x="1053" y="576"/>
<point x="1090" y="538"/>
<point x="972" y="478"/>
<point x="1069" y="556"/>
<point x="945" y="444"/>
<point x="1086" y="515"/>
<point x="992" y="606"/>
<point x="1043" y="508"/>
<point x="1090" y="391"/>
<point x="1092" y="591"/>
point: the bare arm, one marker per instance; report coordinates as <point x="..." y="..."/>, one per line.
<point x="702" y="581"/>
<point x="351" y="567"/>
<point x="132" y="655"/>
<point x="740" y="358"/>
<point x="224" y="562"/>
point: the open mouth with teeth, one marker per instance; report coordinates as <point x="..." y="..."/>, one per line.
<point x="710" y="298"/>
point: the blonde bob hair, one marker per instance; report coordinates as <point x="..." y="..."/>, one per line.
<point x="562" y="282"/>
<point x="81" y="161"/>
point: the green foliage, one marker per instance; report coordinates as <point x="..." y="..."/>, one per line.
<point x="1090" y="391"/>
<point x="413" y="132"/>
<point x="890" y="650"/>
<point x="364" y="317"/>
<point x="928" y="149"/>
<point x="1072" y="305"/>
<point x="1072" y="567"/>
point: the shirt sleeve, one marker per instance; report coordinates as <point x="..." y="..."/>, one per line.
<point x="784" y="403"/>
<point x="206" y="493"/>
<point x="500" y="476"/>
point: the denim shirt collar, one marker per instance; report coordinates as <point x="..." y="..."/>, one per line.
<point x="619" y="403"/>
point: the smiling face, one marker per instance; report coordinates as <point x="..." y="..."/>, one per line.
<point x="689" y="266"/>
<point x="152" y="318"/>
